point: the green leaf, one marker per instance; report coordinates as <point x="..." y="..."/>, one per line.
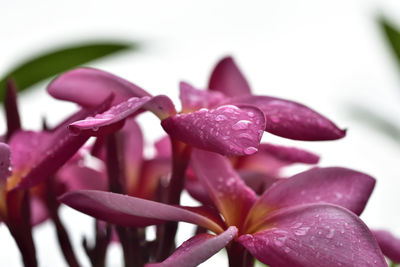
<point x="47" y="65"/>
<point x="392" y="35"/>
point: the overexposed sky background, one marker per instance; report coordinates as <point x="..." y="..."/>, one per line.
<point x="325" y="54"/>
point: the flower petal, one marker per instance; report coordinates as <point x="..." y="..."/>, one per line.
<point x="227" y="130"/>
<point x="90" y="87"/>
<point x="270" y="159"/>
<point x="193" y="99"/>
<point x="389" y="244"/>
<point x="5" y="161"/>
<point x="55" y="150"/>
<point x="133" y="153"/>
<point x="197" y="249"/>
<point x="228" y="192"/>
<point x="76" y="177"/>
<point x="339" y="186"/>
<point x="292" y="120"/>
<point x="131" y="211"/>
<point x="163" y="147"/>
<point x="113" y="119"/>
<point x="228" y="79"/>
<point x="314" y="235"/>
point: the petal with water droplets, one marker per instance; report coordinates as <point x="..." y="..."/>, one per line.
<point x="339" y="186"/>
<point x="197" y="249"/>
<point x="228" y="79"/>
<point x="90" y="87"/>
<point x="314" y="235"/>
<point x="131" y="211"/>
<point x="389" y="244"/>
<point x="292" y="120"/>
<point x="193" y="99"/>
<point x="227" y="130"/>
<point x="228" y="192"/>
<point x="114" y="118"/>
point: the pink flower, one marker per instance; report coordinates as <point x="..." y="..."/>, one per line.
<point x="306" y="220"/>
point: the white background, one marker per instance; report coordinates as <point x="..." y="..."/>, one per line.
<point x="326" y="54"/>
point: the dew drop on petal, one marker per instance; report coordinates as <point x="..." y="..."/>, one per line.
<point x="331" y="233"/>
<point x="250" y="150"/>
<point x="241" y="125"/>
<point x="95" y="128"/>
<point x="220" y="118"/>
<point x="250" y="114"/>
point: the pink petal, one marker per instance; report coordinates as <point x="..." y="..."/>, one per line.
<point x="5" y="161"/>
<point x="152" y="171"/>
<point x="228" y="192"/>
<point x="258" y="181"/>
<point x="292" y="120"/>
<point x="227" y="130"/>
<point x="197" y="249"/>
<point x="90" y="87"/>
<point x="163" y="147"/>
<point x="389" y="244"/>
<point x="39" y="211"/>
<point x="131" y="211"/>
<point x="270" y="159"/>
<point x="193" y="99"/>
<point x="54" y="150"/>
<point x="339" y="186"/>
<point x="113" y="119"/>
<point x="314" y="235"/>
<point x="76" y="177"/>
<point x="228" y="79"/>
<point x="197" y="191"/>
<point x="133" y="153"/>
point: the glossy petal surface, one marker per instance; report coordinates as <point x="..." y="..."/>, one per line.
<point x="193" y="99"/>
<point x="339" y="186"/>
<point x="197" y="249"/>
<point x="228" y="79"/>
<point x="227" y="130"/>
<point x="228" y="192"/>
<point x="389" y="244"/>
<point x="314" y="235"/>
<point x="292" y="120"/>
<point x="113" y="119"/>
<point x="90" y="87"/>
<point x="131" y="211"/>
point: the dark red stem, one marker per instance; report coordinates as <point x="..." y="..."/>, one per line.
<point x="239" y="256"/>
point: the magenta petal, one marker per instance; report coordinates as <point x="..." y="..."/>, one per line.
<point x="131" y="211"/>
<point x="197" y="191"/>
<point x="389" y="244"/>
<point x="228" y="79"/>
<point x="39" y="212"/>
<point x="289" y="154"/>
<point x="163" y="147"/>
<point x="292" y="120"/>
<point x="113" y="119"/>
<point x="197" y="249"/>
<point x="339" y="186"/>
<point x="227" y="130"/>
<point x="193" y="99"/>
<point x="314" y="235"/>
<point x="76" y="177"/>
<point x="228" y="192"/>
<point x="54" y="150"/>
<point x="5" y="161"/>
<point x="90" y="87"/>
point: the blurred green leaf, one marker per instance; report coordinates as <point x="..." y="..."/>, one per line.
<point x="376" y="121"/>
<point x="392" y="35"/>
<point x="55" y="62"/>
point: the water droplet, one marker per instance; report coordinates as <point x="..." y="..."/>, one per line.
<point x="250" y="150"/>
<point x="301" y="231"/>
<point x="274" y="119"/>
<point x="220" y="118"/>
<point x="250" y="114"/>
<point x="287" y="249"/>
<point x="245" y="136"/>
<point x="225" y="137"/>
<point x="95" y="128"/>
<point x="230" y="182"/>
<point x="331" y="233"/>
<point x="338" y="195"/>
<point x="241" y="125"/>
<point x="297" y="225"/>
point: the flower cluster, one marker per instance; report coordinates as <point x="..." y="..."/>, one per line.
<point x="213" y="150"/>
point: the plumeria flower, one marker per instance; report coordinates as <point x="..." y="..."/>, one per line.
<point x="226" y="119"/>
<point x="306" y="220"/>
<point x="389" y="244"/>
